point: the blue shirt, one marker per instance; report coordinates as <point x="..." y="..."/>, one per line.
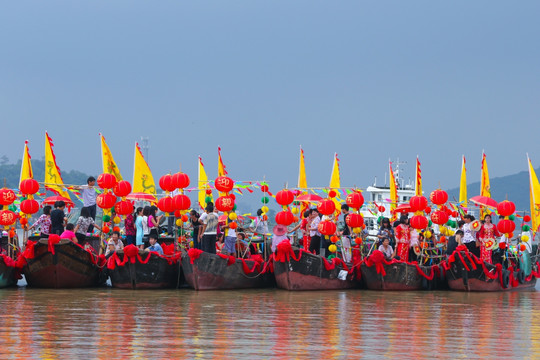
<point x="157" y="248"/>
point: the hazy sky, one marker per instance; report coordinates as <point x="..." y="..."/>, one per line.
<point x="368" y="80"/>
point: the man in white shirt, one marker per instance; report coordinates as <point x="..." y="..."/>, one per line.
<point x="208" y="232"/>
<point x="469" y="239"/>
<point x="89" y="198"/>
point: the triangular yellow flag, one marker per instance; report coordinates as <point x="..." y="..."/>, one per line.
<point x="302" y="182"/>
<point x="143" y="181"/>
<point x="463" y="184"/>
<point x="53" y="178"/>
<point x="202" y="185"/>
<point x="109" y="166"/>
<point x="534" y="190"/>
<point x="335" y="183"/>
<point x="393" y="192"/>
<point x="485" y="189"/>
<point x="221" y="169"/>
<point x="26" y="166"/>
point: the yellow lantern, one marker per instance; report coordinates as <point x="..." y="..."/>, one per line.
<point x="357" y="230"/>
<point x="525" y="238"/>
<point x="427" y="234"/>
<point x="233" y="216"/>
<point x="332" y="248"/>
<point x="265" y="209"/>
<point x="179" y="222"/>
<point x="294" y="210"/>
<point x="116" y="219"/>
<point x="191" y="245"/>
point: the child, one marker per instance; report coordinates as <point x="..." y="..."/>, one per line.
<point x="69" y="233"/>
<point x="154" y="245"/>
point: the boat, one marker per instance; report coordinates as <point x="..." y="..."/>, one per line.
<point x="466" y="272"/>
<point x="205" y="271"/>
<point x="60" y="263"/>
<point x="132" y="268"/>
<point x="9" y="272"/>
<point x="297" y="269"/>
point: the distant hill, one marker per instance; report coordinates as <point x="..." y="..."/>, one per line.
<point x="514" y="187"/>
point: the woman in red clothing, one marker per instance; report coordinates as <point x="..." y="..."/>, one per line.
<point x="487" y="235"/>
<point x="403" y="239"/>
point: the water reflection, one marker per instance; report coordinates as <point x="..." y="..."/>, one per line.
<point x="110" y="323"/>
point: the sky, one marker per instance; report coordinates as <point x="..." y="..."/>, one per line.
<point x="370" y="80"/>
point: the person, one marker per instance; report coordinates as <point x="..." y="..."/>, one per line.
<point x="69" y="234"/>
<point x="83" y="225"/>
<point x="469" y="239"/>
<point x="43" y="222"/>
<point x="146" y="228"/>
<point x="260" y="225"/>
<point x="229" y="237"/>
<point x="89" y="199"/>
<point x="386" y="230"/>
<point x="114" y="243"/>
<point x="154" y="245"/>
<point x="130" y="230"/>
<point x="453" y="242"/>
<point x="153" y="221"/>
<point x="139" y="228"/>
<point x="314" y="234"/>
<point x="386" y="249"/>
<point x="403" y="239"/>
<point x="487" y="234"/>
<point x="196" y="225"/>
<point x="208" y="232"/>
<point x="346" y="235"/>
<point x="58" y="218"/>
<point x="280" y="234"/>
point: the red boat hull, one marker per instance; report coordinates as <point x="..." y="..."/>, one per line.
<point x="398" y="277"/>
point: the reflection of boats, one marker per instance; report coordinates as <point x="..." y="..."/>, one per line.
<point x="132" y="268"/>
<point x="8" y="272"/>
<point x="465" y="272"/>
<point x="205" y="271"/>
<point x="296" y="269"/>
<point x="55" y="263"/>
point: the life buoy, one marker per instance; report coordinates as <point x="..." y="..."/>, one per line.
<point x="505" y="278"/>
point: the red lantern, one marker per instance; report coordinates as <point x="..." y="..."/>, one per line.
<point x="166" y="183"/>
<point x="184" y="218"/>
<point x="334" y="239"/>
<point x="29" y="186"/>
<point x="178" y="214"/>
<point x="7" y="217"/>
<point x="502" y="245"/>
<point x="506" y="208"/>
<point x="326" y="207"/>
<point x="122" y="188"/>
<point x="29" y="206"/>
<point x="224" y="203"/>
<point x="419" y="222"/>
<point x="116" y="229"/>
<point x="284" y="218"/>
<point x="208" y="191"/>
<point x="7" y="196"/>
<point x="233" y="225"/>
<point x="106" y="229"/>
<point x="526" y="218"/>
<point x="354" y="220"/>
<point x="264" y="188"/>
<point x="181" y="202"/>
<point x="355" y="200"/>
<point x="332" y="194"/>
<point x="105" y="200"/>
<point x="284" y="197"/>
<point x="166" y="204"/>
<point x="506" y="226"/>
<point x="438" y="197"/>
<point x="180" y="180"/>
<point x="23" y="221"/>
<point x="106" y="181"/>
<point x="439" y="217"/>
<point x="427" y="210"/>
<point x="123" y="207"/>
<point x="224" y="184"/>
<point x="327" y="228"/>
<point x="382" y="208"/>
<point x="455" y="214"/>
<point x="418" y="203"/>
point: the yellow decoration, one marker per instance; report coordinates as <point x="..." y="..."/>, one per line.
<point x="265" y="209"/>
<point x="294" y="211"/>
<point x="357" y="230"/>
<point x="525" y="238"/>
<point x="116" y="220"/>
<point x="233" y="216"/>
<point x="191" y="245"/>
<point x="443" y="230"/>
<point x="179" y="222"/>
<point x="332" y="248"/>
<point x="427" y="234"/>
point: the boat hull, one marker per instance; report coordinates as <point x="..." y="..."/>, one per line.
<point x="8" y="275"/>
<point x="398" y="277"/>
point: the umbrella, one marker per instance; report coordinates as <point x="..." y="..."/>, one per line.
<point x="404" y="208"/>
<point x="142" y="196"/>
<point x="484" y="201"/>
<point x="52" y="199"/>
<point x="309" y="198"/>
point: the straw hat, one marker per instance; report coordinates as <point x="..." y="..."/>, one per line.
<point x="279" y="230"/>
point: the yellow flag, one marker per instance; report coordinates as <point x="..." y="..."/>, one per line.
<point x="53" y="178"/>
<point x="463" y="184"/>
<point x="302" y="182"/>
<point x="143" y="181"/>
<point x="485" y="189"/>
<point x="335" y="183"/>
<point x="393" y="192"/>
<point x="418" y="179"/>
<point x="221" y="169"/>
<point x="26" y="166"/>
<point x="203" y="185"/>
<point x="534" y="190"/>
<point x="109" y="166"/>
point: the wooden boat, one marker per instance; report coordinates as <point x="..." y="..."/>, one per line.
<point x="465" y="272"/>
<point x="132" y="268"/>
<point x="55" y="263"/>
<point x="9" y="272"/>
<point x="296" y="269"/>
<point x="205" y="271"/>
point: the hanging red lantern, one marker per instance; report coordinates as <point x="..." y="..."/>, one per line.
<point x="355" y="200"/>
<point x="418" y="203"/>
<point x="106" y="181"/>
<point x="506" y="226"/>
<point x="124" y="207"/>
<point x="506" y="208"/>
<point x="224" y="203"/>
<point x="166" y="204"/>
<point x="166" y="183"/>
<point x="184" y="218"/>
<point x="233" y="225"/>
<point x="7" y="196"/>
<point x="334" y="239"/>
<point x="106" y="229"/>
<point x="332" y="194"/>
<point x="7" y="217"/>
<point x="354" y="220"/>
<point x="327" y="228"/>
<point x="29" y="206"/>
<point x="326" y="207"/>
<point x="285" y="218"/>
<point x="526" y="218"/>
<point x="180" y="180"/>
<point x="23" y="221"/>
<point x="438" y="197"/>
<point x="208" y="191"/>
<point x="455" y="214"/>
<point x="224" y="184"/>
<point x="284" y="197"/>
<point x="419" y="222"/>
<point x="182" y="202"/>
<point x="439" y="217"/>
<point x="105" y="200"/>
<point x="264" y="188"/>
<point x="427" y="210"/>
<point x="29" y="186"/>
<point x="122" y="188"/>
<point x="382" y="208"/>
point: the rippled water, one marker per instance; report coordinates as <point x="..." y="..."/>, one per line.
<point x="112" y="323"/>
